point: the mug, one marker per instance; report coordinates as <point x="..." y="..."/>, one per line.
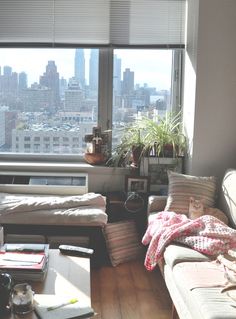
<point x="6" y="284"/>
<point x="22" y="299"/>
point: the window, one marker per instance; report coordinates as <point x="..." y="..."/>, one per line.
<point x="142" y="85"/>
<point x="56" y="99"/>
<point x="48" y="93"/>
<point x="65" y="71"/>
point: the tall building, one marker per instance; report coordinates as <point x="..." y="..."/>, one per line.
<point x="63" y="87"/>
<point x="117" y="75"/>
<point x="9" y="84"/>
<point x="22" y="81"/>
<point x="50" y="79"/>
<point x="93" y="69"/>
<point x="73" y="96"/>
<point x="7" y="70"/>
<point x="3" y="110"/>
<point x="80" y="67"/>
<point x="10" y="124"/>
<point x="128" y="82"/>
<point x="117" y="101"/>
<point x="37" y="98"/>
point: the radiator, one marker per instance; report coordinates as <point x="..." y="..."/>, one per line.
<point x="54" y="183"/>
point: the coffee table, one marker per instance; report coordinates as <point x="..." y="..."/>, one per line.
<point x="65" y="274"/>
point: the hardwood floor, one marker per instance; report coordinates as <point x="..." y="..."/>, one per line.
<point x="129" y="291"/>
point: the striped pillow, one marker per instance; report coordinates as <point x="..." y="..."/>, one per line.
<point x="182" y="187"/>
<point x="123" y="243"/>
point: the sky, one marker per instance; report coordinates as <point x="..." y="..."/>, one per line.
<point x="150" y="66"/>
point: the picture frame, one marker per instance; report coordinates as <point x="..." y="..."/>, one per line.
<point x="137" y="184"/>
<point x="156" y="168"/>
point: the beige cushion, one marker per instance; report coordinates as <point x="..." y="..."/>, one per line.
<point x="182" y="187"/>
<point x="123" y="243"/>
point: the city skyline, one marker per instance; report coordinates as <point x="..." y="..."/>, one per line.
<point x="150" y="66"/>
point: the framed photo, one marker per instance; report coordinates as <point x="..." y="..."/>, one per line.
<point x="156" y="168"/>
<point x="137" y="184"/>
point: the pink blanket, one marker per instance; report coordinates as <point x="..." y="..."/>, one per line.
<point x="205" y="234"/>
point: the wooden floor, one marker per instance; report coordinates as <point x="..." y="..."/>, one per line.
<point x="128" y="291"/>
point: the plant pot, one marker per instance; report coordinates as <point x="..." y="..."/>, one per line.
<point x="136" y="154"/>
<point x="95" y="158"/>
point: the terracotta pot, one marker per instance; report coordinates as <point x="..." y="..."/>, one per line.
<point x="94" y="158"/>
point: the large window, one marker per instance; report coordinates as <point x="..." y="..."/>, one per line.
<point x="67" y="66"/>
<point x="51" y="98"/>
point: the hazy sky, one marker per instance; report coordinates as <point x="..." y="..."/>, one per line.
<point x="150" y="66"/>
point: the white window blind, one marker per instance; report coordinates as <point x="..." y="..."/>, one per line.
<point x="93" y="22"/>
<point x="148" y="22"/>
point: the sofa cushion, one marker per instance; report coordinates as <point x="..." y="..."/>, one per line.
<point x="182" y="187"/>
<point x="123" y="243"/>
<point x="228" y="196"/>
<point x="176" y="253"/>
<point x="200" y="285"/>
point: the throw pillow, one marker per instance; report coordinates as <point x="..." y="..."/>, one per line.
<point x="182" y="187"/>
<point x="122" y="241"/>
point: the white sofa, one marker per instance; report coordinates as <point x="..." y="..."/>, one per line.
<point x="178" y="262"/>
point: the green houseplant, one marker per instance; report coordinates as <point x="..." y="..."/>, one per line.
<point x="161" y="137"/>
<point x="164" y="136"/>
<point x="130" y="148"/>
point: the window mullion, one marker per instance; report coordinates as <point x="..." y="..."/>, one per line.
<point x="105" y="88"/>
<point x="176" y="81"/>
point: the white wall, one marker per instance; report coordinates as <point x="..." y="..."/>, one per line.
<point x="210" y="87"/>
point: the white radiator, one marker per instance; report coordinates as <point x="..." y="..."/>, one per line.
<point x="44" y="183"/>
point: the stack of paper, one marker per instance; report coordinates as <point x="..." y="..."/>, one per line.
<point x="61" y="307"/>
<point x="25" y="261"/>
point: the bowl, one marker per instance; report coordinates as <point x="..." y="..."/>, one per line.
<point x="95" y="158"/>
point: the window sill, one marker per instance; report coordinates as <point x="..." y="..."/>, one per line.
<point x="65" y="167"/>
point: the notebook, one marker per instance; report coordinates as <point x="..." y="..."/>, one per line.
<point x="69" y="311"/>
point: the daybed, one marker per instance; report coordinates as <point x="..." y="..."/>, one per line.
<point x="195" y="280"/>
<point x="56" y="219"/>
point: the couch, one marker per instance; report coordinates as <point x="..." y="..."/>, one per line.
<point x="192" y="278"/>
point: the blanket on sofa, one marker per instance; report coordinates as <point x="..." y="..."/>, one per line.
<point x="205" y="234"/>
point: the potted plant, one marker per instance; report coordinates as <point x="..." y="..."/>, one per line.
<point x="164" y="136"/>
<point x="161" y="137"/>
<point x="129" y="150"/>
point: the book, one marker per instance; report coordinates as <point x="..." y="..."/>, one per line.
<point x="34" y="248"/>
<point x="25" y="261"/>
<point x="60" y="307"/>
<point x="21" y="260"/>
<point x="25" y="247"/>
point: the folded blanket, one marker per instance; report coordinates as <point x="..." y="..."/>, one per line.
<point x="19" y="202"/>
<point x="205" y="234"/>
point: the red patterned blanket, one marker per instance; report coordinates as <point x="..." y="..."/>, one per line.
<point x="205" y="234"/>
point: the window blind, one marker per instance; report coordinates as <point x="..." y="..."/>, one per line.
<point x="93" y="22"/>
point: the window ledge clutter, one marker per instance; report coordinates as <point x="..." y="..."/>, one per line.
<point x="96" y="147"/>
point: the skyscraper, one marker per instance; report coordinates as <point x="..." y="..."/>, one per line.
<point x="128" y="82"/>
<point x="80" y="67"/>
<point x="93" y="70"/>
<point x="7" y="70"/>
<point x="117" y="75"/>
<point x="22" y="81"/>
<point x="73" y="96"/>
<point x="50" y="79"/>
